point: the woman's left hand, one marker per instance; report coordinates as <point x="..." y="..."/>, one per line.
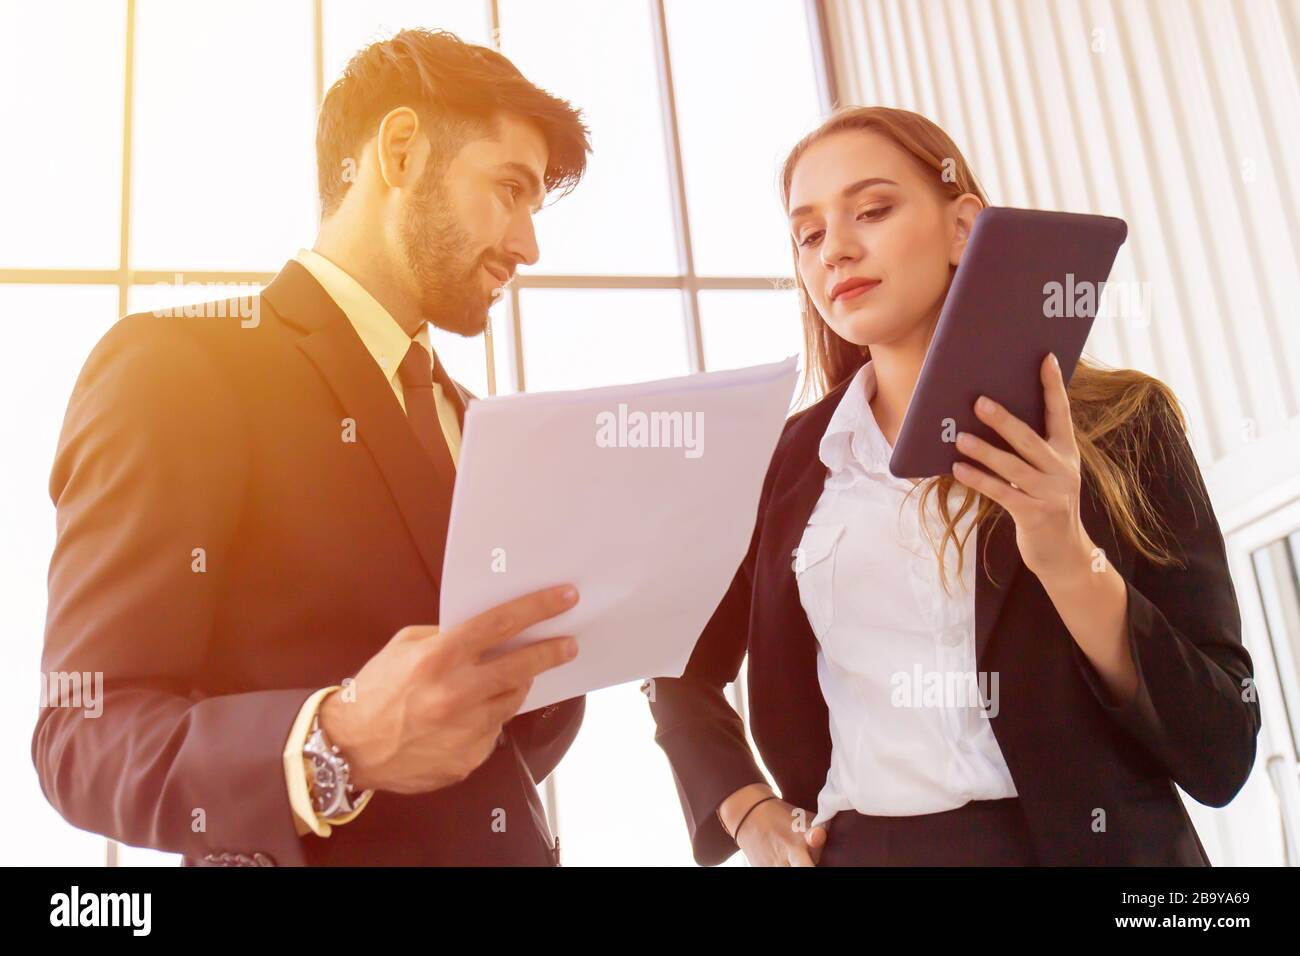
<point x="1038" y="485"/>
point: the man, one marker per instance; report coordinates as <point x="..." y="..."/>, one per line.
<point x="250" y="511"/>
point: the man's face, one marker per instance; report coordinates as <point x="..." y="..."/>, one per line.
<point x="465" y="232"/>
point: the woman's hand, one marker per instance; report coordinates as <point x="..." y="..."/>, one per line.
<point x="1039" y="488"/>
<point x="769" y="834"/>
<point x="1038" y="485"/>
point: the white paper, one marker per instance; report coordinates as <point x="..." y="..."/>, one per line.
<point x="560" y="487"/>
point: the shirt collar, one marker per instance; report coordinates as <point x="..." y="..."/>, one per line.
<point x="381" y="334"/>
<point x="853" y="440"/>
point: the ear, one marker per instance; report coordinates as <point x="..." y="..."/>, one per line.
<point x="962" y="211"/>
<point x="400" y="147"/>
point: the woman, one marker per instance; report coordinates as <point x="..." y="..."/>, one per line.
<point x="1076" y="588"/>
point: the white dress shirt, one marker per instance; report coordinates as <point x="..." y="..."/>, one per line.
<point x="896" y="654"/>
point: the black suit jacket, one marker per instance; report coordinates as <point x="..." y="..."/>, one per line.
<point x="200" y="433"/>
<point x="1077" y="760"/>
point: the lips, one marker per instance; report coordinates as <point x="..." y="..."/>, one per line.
<point x="855" y="285"/>
<point x="499" y="274"/>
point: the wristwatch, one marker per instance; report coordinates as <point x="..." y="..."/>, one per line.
<point x="332" y="794"/>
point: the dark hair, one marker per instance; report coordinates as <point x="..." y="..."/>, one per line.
<point x="458" y="89"/>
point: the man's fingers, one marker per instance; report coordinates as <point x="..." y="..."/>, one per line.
<point x="414" y="632"/>
<point x="498" y="625"/>
<point x="522" y="665"/>
<point x="505" y="706"/>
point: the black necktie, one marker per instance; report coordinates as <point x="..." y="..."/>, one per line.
<point x="416" y="376"/>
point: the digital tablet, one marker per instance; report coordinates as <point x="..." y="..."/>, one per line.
<point x="1029" y="283"/>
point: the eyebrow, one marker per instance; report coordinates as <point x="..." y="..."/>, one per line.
<point x="534" y="184"/>
<point x="848" y="191"/>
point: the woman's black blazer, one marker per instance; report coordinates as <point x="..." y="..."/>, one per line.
<point x="1096" y="781"/>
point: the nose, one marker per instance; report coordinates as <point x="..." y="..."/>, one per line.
<point x="840" y="245"/>
<point x="521" y="241"/>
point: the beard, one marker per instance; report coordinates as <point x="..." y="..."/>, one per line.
<point x="440" y="256"/>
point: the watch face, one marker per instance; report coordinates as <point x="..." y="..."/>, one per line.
<point x="324" y="783"/>
<point x="328" y="777"/>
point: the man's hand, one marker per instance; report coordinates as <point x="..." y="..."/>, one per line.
<point x="429" y="707"/>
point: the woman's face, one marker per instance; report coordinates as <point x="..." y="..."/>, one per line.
<point x="876" y="239"/>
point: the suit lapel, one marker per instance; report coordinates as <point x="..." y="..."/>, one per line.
<point x="458" y="396"/>
<point x="332" y="345"/>
<point x="796" y="501"/>
<point x="795" y="491"/>
<point x="992" y="583"/>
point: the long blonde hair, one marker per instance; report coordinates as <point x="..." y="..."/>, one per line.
<point x="1112" y="409"/>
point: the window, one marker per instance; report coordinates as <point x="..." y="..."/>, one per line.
<point x="1277" y="575"/>
<point x="191" y="161"/>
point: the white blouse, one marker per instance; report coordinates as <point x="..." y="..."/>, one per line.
<point x="896" y="655"/>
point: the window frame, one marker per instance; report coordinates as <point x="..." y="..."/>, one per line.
<point x="509" y="326"/>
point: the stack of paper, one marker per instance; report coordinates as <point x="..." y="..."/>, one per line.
<point x="641" y="496"/>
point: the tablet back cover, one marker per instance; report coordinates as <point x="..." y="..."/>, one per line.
<point x="1029" y="282"/>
